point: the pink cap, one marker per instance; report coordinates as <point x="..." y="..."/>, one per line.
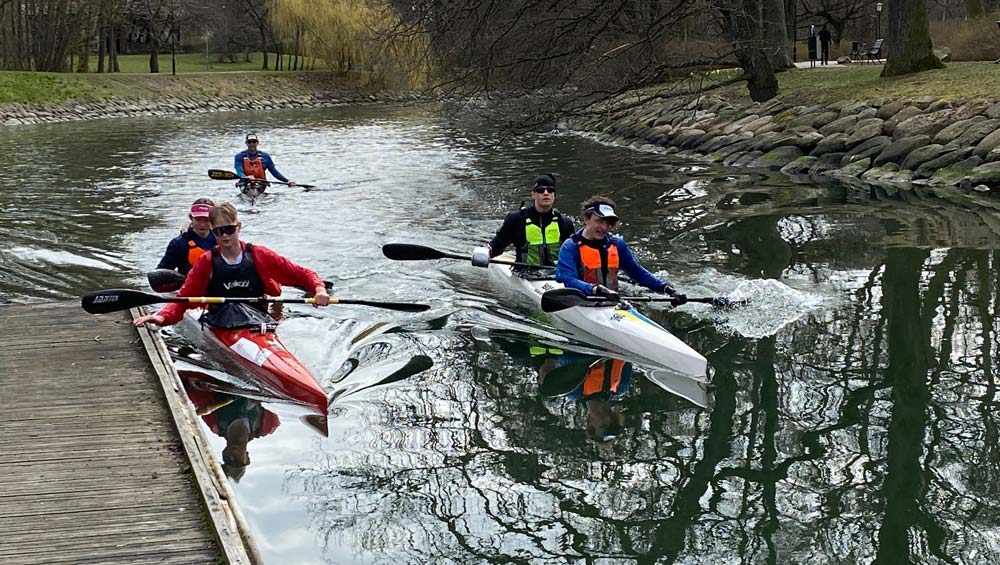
<point x="200" y="210"/>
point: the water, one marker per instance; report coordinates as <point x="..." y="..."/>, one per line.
<point x="851" y="416"/>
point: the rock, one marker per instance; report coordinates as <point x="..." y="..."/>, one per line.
<point x="853" y="108"/>
<point x="747" y="158"/>
<point x="922" y="155"/>
<point x="945" y="160"/>
<point x="974" y="133"/>
<point x="815" y="119"/>
<point x="864" y="130"/>
<point x="867" y="113"/>
<point x="891" y="109"/>
<point x="867" y="149"/>
<point x="765" y="141"/>
<point x="993" y="112"/>
<point x="993" y="155"/>
<point x="687" y="137"/>
<point x="988" y="174"/>
<point x="943" y="53"/>
<point x="832" y="143"/>
<point x="898" y="150"/>
<point x="839" y="125"/>
<point x="877" y="173"/>
<point x="844" y="60"/>
<point x="987" y="144"/>
<point x="955" y="129"/>
<point x="738" y="124"/>
<point x="906" y="113"/>
<point x="853" y="169"/>
<point x="801" y="165"/>
<point x="827" y="162"/>
<point x="778" y="157"/>
<point x="757" y="124"/>
<point x="938" y="105"/>
<point x="923" y="124"/>
<point x="956" y="173"/>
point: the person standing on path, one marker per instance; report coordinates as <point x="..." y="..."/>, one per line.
<point x="824" y="43"/>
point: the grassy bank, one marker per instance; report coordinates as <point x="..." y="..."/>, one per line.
<point x="199" y="63"/>
<point x="959" y="81"/>
<point x="41" y="88"/>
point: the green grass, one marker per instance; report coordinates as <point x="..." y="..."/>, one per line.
<point x="964" y="81"/>
<point x="196" y="62"/>
<point x="27" y="87"/>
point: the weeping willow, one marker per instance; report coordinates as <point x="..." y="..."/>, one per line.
<point x="349" y="36"/>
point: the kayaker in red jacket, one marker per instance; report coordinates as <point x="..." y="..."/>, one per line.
<point x="236" y="269"/>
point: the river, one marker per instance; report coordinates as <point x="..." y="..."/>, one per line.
<point x="852" y="411"/>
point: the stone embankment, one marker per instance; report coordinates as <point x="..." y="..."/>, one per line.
<point x="17" y="114"/>
<point x="888" y="141"/>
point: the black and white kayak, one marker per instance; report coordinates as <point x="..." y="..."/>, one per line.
<point x="620" y="327"/>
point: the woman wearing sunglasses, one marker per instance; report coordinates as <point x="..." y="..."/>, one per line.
<point x="589" y="261"/>
<point x="236" y="269"/>
<point x="536" y="231"/>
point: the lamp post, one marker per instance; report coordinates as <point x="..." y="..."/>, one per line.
<point x="878" y="26"/>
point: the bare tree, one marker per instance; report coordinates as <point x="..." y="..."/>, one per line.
<point x="838" y="14"/>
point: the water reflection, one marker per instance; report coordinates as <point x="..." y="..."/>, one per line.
<point x="853" y="407"/>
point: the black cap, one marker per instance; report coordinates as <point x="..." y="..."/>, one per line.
<point x="545" y="180"/>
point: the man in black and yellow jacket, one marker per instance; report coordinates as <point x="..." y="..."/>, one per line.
<point x="535" y="231"/>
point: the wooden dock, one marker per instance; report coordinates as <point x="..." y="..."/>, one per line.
<point x="101" y="459"/>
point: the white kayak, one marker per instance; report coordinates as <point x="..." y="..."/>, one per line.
<point x="620" y="328"/>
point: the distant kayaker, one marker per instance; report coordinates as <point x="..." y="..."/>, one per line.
<point x="536" y="231"/>
<point x="252" y="163"/>
<point x="196" y="239"/>
<point x="236" y="269"/>
<point x="589" y="261"/>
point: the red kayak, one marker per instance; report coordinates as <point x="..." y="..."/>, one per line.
<point x="259" y="357"/>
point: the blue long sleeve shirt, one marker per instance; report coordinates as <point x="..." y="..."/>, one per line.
<point x="265" y="159"/>
<point x="569" y="267"/>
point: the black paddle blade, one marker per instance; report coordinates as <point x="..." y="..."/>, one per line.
<point x="401" y="306"/>
<point x="165" y="280"/>
<point x="116" y="300"/>
<point x="408" y="252"/>
<point x="561" y="299"/>
<point x="564" y="379"/>
<point x="219" y="174"/>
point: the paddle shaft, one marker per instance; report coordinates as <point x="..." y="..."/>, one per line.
<point x="411" y="252"/>
<point x="220" y="174"/>
<point x="115" y="300"/>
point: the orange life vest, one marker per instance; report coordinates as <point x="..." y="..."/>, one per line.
<point x="604" y="376"/>
<point x="194" y="252"/>
<point x="254" y="167"/>
<point x="598" y="266"/>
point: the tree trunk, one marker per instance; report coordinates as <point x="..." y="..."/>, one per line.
<point x="974" y="9"/>
<point x="102" y="39"/>
<point x="742" y="28"/>
<point x="908" y="41"/>
<point x="775" y="35"/>
<point x="154" y="55"/>
<point x="113" y="51"/>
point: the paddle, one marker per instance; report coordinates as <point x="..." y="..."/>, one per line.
<point x="563" y="298"/>
<point x="408" y="252"/>
<point x="168" y="280"/>
<point x="115" y="300"/>
<point x="565" y="378"/>
<point x="220" y="174"/>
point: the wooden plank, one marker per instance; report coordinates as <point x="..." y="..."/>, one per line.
<point x="91" y="465"/>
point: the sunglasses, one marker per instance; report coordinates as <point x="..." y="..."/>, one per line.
<point x="544" y="189"/>
<point x="225" y="230"/>
<point x="249" y="141"/>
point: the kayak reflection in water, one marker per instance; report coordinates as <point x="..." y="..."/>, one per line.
<point x="184" y="250"/>
<point x="238" y="419"/>
<point x="236" y="269"/>
<point x="594" y="382"/>
<point x="589" y="261"/>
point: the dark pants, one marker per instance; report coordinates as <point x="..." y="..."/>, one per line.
<point x="825" y="48"/>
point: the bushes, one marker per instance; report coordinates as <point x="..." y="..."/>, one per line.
<point x="969" y="40"/>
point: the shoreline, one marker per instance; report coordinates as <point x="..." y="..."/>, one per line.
<point x="899" y="143"/>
